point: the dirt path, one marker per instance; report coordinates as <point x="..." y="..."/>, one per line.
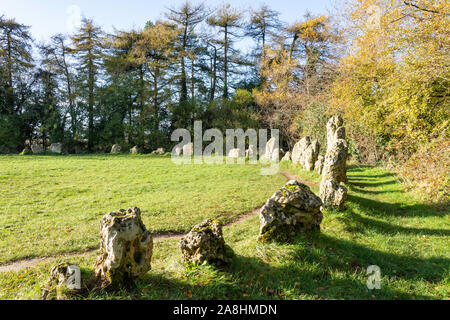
<point x="26" y="263"/>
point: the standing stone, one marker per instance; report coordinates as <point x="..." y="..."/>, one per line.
<point x="270" y="148"/>
<point x="205" y="243"/>
<point x="276" y="155"/>
<point x="236" y="153"/>
<point x="287" y="156"/>
<point x="335" y="130"/>
<point x="56" y="148"/>
<point x="178" y="151"/>
<point x="116" y="149"/>
<point x="319" y="164"/>
<point x="37" y="148"/>
<point x="310" y="155"/>
<point x="188" y="149"/>
<point x="299" y="149"/>
<point x="64" y="282"/>
<point x="292" y="209"/>
<point x="159" y="151"/>
<point x="251" y="152"/>
<point x="334" y="175"/>
<point x="126" y="248"/>
<point x="134" y="150"/>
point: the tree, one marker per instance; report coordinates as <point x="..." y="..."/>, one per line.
<point x="226" y="19"/>
<point x="88" y="49"/>
<point x="186" y="17"/>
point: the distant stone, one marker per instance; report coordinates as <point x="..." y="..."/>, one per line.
<point x="270" y="148"/>
<point x="56" y="148"/>
<point x="287" y="157"/>
<point x="335" y="130"/>
<point x="178" y="151"/>
<point x="335" y="163"/>
<point x="236" y="153"/>
<point x="134" y="150"/>
<point x="319" y="164"/>
<point x="299" y="150"/>
<point x="276" y="154"/>
<point x="310" y="156"/>
<point x="159" y="151"/>
<point x="37" y="148"/>
<point x="251" y="152"/>
<point x="292" y="209"/>
<point x="64" y="282"/>
<point x="205" y="243"/>
<point x="188" y="149"/>
<point x="126" y="248"/>
<point x="116" y="148"/>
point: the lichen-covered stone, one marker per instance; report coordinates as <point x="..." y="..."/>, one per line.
<point x="58" y="286"/>
<point x="319" y="164"/>
<point x="205" y="243"/>
<point x="333" y="194"/>
<point x="116" y="148"/>
<point x="310" y="154"/>
<point x="126" y="248"/>
<point x="335" y="163"/>
<point x="299" y="149"/>
<point x="335" y="130"/>
<point x="292" y="209"/>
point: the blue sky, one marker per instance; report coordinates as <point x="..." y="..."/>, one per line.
<point x="48" y="17"/>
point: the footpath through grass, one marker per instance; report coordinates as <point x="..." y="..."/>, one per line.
<point x="54" y="204"/>
<point x="383" y="225"/>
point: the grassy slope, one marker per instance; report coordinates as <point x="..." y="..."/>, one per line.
<point x="382" y="226"/>
<point x="53" y="204"/>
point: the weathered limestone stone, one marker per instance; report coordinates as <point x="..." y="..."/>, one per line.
<point x="292" y="209"/>
<point x="287" y="156"/>
<point x="270" y="148"/>
<point x="276" y="155"/>
<point x="63" y="282"/>
<point x="159" y="151"/>
<point x="335" y="130"/>
<point x="333" y="194"/>
<point x="319" y="164"/>
<point x="310" y="155"/>
<point x="134" y="150"/>
<point x="335" y="163"/>
<point x="236" y="153"/>
<point x="205" y="243"/>
<point x="126" y="248"/>
<point x="37" y="148"/>
<point x="26" y="151"/>
<point x="56" y="148"/>
<point x="251" y="152"/>
<point x="116" y="149"/>
<point x="299" y="149"/>
<point x="188" y="149"/>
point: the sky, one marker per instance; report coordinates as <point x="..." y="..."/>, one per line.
<point x="48" y="17"/>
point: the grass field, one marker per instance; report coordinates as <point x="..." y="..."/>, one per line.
<point x="383" y="225"/>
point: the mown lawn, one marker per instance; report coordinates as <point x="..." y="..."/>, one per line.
<point x="53" y="204"/>
<point x="383" y="225"/>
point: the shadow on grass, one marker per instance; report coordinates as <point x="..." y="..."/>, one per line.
<point x="379" y="208"/>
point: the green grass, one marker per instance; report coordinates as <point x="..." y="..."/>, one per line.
<point x="53" y="204"/>
<point x="383" y="225"/>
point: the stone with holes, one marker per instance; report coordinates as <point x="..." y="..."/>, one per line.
<point x="205" y="243"/>
<point x="126" y="248"/>
<point x="292" y="209"/>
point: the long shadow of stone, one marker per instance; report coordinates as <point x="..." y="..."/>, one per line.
<point x="379" y="208"/>
<point x="385" y="228"/>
